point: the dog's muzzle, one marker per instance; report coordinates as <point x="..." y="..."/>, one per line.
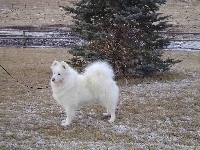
<point x="53" y="79"/>
<point x="56" y="81"/>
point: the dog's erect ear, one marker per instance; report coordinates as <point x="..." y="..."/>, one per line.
<point x="55" y="63"/>
<point x="64" y="65"/>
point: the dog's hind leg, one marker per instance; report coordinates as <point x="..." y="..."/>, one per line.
<point x="107" y="113"/>
<point x="112" y="113"/>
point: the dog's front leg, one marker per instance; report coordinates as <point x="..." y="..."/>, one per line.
<point x="70" y="115"/>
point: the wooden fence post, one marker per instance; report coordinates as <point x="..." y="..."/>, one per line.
<point x="24" y="39"/>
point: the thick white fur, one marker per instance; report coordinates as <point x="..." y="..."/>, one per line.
<point x="72" y="90"/>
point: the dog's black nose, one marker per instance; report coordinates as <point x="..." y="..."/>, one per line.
<point x="53" y="79"/>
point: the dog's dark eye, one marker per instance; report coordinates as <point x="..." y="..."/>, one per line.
<point x="58" y="73"/>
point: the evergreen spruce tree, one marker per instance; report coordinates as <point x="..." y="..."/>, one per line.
<point x="122" y="32"/>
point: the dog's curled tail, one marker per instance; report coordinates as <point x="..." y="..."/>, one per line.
<point x="99" y="70"/>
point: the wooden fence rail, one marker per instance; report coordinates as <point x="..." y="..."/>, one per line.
<point x="26" y="37"/>
<point x="16" y="37"/>
<point x="166" y="32"/>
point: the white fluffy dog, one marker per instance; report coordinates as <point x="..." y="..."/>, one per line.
<point x="72" y="90"/>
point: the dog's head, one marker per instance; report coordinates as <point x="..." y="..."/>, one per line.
<point x="59" y="70"/>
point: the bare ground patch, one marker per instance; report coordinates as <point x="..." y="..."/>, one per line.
<point x="161" y="112"/>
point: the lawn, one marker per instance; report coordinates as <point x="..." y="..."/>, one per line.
<point x="161" y="112"/>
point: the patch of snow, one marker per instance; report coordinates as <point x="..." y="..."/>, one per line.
<point x="120" y="129"/>
<point x="185" y="45"/>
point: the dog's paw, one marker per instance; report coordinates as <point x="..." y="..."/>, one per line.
<point x="106" y="114"/>
<point x="65" y="123"/>
<point x="111" y="120"/>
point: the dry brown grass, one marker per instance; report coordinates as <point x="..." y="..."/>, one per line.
<point x="157" y="113"/>
<point x="185" y="15"/>
<point x="161" y="112"/>
<point x="36" y="13"/>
